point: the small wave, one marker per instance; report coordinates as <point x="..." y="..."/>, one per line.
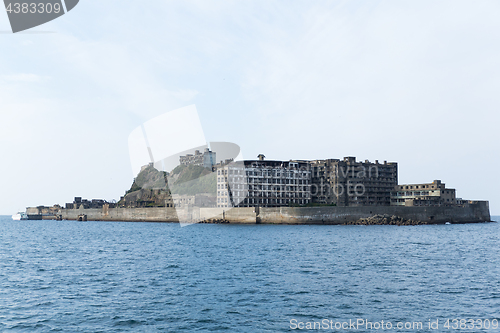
<point x="128" y="323"/>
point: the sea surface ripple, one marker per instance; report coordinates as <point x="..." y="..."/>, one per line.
<point x="158" y="277"/>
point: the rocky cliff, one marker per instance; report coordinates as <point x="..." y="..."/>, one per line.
<point x="152" y="188"/>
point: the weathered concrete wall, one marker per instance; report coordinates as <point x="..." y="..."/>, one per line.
<point x="241" y="215"/>
<point x="123" y="214"/>
<point x="473" y="212"/>
<point x="476" y="212"/>
<point x="32" y="211"/>
<point x="212" y="213"/>
<point x="238" y="215"/>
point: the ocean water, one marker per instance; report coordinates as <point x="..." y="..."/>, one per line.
<point x="154" y="277"/>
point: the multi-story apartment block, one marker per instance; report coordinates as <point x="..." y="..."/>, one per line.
<point x="429" y="194"/>
<point x="207" y="159"/>
<point x="263" y="183"/>
<point x="350" y="183"/>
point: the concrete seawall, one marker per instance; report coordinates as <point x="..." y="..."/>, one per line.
<point x="152" y="214"/>
<point x="477" y="211"/>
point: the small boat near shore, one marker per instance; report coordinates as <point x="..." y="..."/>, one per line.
<point x="20" y="216"/>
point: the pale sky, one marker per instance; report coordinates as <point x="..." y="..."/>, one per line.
<point x="415" y="82"/>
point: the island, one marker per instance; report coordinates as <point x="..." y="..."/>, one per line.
<point x="260" y="191"/>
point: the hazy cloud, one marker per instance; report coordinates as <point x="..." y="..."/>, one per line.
<point x="413" y="82"/>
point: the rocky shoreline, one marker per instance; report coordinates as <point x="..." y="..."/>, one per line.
<point x="385" y="220"/>
<point x="372" y="220"/>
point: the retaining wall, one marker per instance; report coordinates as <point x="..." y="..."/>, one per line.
<point x="477" y="211"/>
<point x="152" y="214"/>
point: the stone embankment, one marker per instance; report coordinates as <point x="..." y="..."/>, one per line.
<point x="473" y="212"/>
<point x="385" y="220"/>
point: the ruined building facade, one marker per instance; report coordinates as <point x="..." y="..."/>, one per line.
<point x="207" y="159"/>
<point x="335" y="182"/>
<point x="428" y="194"/>
<point x="330" y="182"/>
<point x="260" y="183"/>
<point x="348" y="182"/>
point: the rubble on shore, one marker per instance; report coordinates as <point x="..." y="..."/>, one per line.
<point x="385" y="220"/>
<point x="215" y="221"/>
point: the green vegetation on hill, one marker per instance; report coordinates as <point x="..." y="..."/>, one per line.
<point x="190" y="184"/>
<point x="178" y="169"/>
<point x="149" y="178"/>
<point x="191" y="172"/>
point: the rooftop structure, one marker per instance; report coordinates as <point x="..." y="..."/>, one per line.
<point x="206" y="159"/>
<point x="255" y="183"/>
<point x="350" y="183"/>
<point x="428" y="194"/>
<point x="86" y="204"/>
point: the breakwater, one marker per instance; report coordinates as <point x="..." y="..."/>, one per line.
<point x="476" y="211"/>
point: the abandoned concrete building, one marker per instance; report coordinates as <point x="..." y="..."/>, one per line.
<point x="297" y="182"/>
<point x="350" y="183"/>
<point x="206" y="159"/>
<point x="429" y="194"/>
<point x="86" y="204"/>
<point x="253" y="183"/>
<point x="346" y="182"/>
